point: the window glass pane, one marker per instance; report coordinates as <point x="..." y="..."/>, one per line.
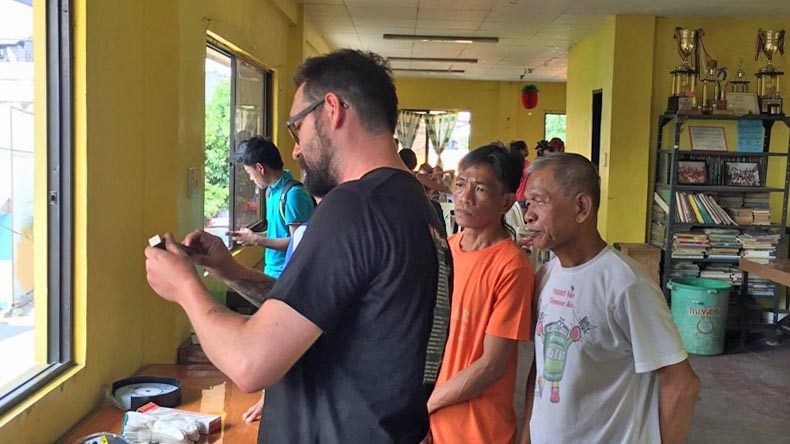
<point x="456" y="148"/>
<point x="216" y="209"/>
<point x="248" y="122"/>
<point x="555" y="126"/>
<point x="17" y="328"/>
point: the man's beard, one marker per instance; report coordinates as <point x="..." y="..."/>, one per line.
<point x="319" y="178"/>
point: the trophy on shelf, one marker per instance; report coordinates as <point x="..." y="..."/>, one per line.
<point x="769" y="43"/>
<point x="739" y="84"/>
<point x="712" y="93"/>
<point x="684" y="77"/>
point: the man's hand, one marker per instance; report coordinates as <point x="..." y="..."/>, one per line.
<point x="245" y="236"/>
<point x="209" y="251"/>
<point x="254" y="412"/>
<point x="170" y="271"/>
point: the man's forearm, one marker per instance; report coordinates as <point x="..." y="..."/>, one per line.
<point x="214" y="324"/>
<point x="250" y="283"/>
<point x="465" y="385"/>
<point x="676" y="404"/>
<point x="279" y="244"/>
<point x="676" y="411"/>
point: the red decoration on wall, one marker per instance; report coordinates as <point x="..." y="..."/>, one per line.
<point x="529" y="96"/>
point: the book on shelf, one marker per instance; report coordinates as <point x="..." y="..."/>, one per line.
<point x="660" y="201"/>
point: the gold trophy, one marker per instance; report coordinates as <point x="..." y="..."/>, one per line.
<point x="684" y="77"/>
<point x="712" y="92"/>
<point x="739" y="84"/>
<point x="769" y="43"/>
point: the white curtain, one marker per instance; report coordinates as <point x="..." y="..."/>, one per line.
<point x="408" y="122"/>
<point x="439" y="128"/>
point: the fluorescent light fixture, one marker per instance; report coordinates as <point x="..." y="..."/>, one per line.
<point x="431" y="71"/>
<point x="430" y="59"/>
<point x="442" y="38"/>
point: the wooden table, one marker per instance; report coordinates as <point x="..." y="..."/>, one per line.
<point x="203" y="389"/>
<point x="777" y="271"/>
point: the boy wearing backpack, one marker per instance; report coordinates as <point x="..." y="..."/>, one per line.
<point x="288" y="204"/>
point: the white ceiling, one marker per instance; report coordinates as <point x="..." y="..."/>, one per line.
<point x="533" y="34"/>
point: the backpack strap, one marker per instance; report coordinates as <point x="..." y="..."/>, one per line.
<point x="287" y="187"/>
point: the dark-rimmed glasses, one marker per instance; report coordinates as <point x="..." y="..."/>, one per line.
<point x="291" y="123"/>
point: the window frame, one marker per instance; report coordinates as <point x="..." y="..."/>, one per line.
<point x="59" y="305"/>
<point x="267" y="102"/>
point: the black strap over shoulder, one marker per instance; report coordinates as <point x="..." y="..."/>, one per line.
<point x="284" y="195"/>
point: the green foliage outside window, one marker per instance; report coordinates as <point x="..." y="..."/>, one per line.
<point x="217" y="150"/>
<point x="555" y="126"/>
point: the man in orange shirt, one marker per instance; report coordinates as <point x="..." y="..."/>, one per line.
<point x="492" y="293"/>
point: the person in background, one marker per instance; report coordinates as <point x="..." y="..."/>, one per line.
<point x="360" y="291"/>
<point x="542" y="148"/>
<point x="557" y="145"/>
<point x="409" y="158"/>
<point x="519" y="149"/>
<point x="432" y="188"/>
<point x="262" y="161"/>
<point x="609" y="363"/>
<point x="492" y="293"/>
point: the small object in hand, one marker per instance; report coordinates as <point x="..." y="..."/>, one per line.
<point x="157" y="241"/>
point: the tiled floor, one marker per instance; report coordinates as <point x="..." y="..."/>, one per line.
<point x="745" y="396"/>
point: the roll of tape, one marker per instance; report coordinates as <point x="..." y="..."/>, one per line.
<point x="132" y="393"/>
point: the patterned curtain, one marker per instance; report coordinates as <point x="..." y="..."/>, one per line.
<point x="439" y="128"/>
<point x="408" y="122"/>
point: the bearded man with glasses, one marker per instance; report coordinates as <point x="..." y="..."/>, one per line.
<point x="355" y="326"/>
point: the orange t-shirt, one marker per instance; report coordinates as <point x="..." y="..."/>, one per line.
<point x="492" y="294"/>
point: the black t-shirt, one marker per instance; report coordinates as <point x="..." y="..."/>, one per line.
<point x="366" y="273"/>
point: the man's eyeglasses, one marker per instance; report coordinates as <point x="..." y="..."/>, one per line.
<point x="291" y="123"/>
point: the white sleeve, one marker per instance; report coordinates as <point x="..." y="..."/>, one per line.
<point x="642" y="313"/>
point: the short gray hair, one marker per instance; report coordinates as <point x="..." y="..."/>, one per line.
<point x="574" y="174"/>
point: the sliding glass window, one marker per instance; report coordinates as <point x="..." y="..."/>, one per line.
<point x="35" y="196"/>
<point x="238" y="100"/>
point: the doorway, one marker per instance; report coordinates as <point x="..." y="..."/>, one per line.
<point x="595" y="143"/>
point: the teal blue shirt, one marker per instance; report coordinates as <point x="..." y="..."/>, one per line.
<point x="298" y="208"/>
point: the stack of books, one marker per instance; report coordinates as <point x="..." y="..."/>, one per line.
<point x="760" y="288"/>
<point x="657" y="232"/>
<point x="684" y="270"/>
<point x="689" y="245"/>
<point x="762" y="216"/>
<point x="759" y="245"/>
<point x="723" y="243"/>
<point x="742" y="216"/>
<point x="730" y="200"/>
<point x="723" y="272"/>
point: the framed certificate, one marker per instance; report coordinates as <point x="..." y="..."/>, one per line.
<point x="742" y="103"/>
<point x="708" y="138"/>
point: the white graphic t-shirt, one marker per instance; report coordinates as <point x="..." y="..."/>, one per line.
<point x="603" y="328"/>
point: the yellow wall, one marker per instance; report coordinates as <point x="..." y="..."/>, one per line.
<point x="616" y="59"/>
<point x="590" y="68"/>
<point x="495" y="107"/>
<point x="139" y="95"/>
